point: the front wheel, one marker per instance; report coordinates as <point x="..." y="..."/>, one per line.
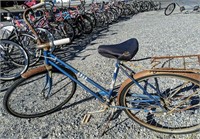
<point x="27" y="97"/>
<point x="169" y="9"/>
<point x="173" y="107"/>
<point x="14" y="60"/>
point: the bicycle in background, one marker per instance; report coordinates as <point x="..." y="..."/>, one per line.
<point x="171" y="7"/>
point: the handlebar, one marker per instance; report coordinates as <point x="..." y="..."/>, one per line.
<point x="39" y="42"/>
<point x="38" y="5"/>
<point x="54" y="43"/>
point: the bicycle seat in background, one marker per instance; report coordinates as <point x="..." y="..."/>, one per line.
<point x="124" y="51"/>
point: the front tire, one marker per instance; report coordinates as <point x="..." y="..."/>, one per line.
<point x="26" y="97"/>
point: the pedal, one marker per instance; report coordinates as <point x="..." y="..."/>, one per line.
<point x="86" y="118"/>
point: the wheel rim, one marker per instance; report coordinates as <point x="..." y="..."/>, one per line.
<point x="182" y="109"/>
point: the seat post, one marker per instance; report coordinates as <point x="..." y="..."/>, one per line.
<point x="115" y="74"/>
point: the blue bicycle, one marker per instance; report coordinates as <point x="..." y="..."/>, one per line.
<point x="161" y="99"/>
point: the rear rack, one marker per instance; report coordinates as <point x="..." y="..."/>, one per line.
<point x="189" y="63"/>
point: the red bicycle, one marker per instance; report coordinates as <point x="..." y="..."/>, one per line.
<point x="28" y="4"/>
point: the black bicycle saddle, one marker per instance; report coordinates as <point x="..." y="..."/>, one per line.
<point x="124" y="51"/>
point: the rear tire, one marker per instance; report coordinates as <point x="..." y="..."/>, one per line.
<point x="179" y="97"/>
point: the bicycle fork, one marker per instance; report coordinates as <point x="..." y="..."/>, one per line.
<point x="48" y="85"/>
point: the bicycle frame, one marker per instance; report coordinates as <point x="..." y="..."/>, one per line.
<point x="48" y="60"/>
<point x="52" y="60"/>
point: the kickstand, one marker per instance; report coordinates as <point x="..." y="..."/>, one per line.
<point x="105" y="125"/>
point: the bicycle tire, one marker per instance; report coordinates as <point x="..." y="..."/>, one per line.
<point x="6" y="84"/>
<point x="14" y="60"/>
<point x="116" y="14"/>
<point x="67" y="30"/>
<point x="19" y="99"/>
<point x="57" y="33"/>
<point x="169" y="9"/>
<point x="107" y="19"/>
<point x="87" y="24"/>
<point x="77" y="26"/>
<point x="100" y="19"/>
<point x="92" y="18"/>
<point x="28" y="42"/>
<point x="126" y="11"/>
<point x="184" y="107"/>
<point x="144" y="6"/>
<point x="136" y="6"/>
<point x="119" y="10"/>
<point x="110" y="16"/>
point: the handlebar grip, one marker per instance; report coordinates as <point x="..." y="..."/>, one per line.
<point x="60" y="42"/>
<point x="38" y="5"/>
<point x="7" y="18"/>
<point x="56" y="42"/>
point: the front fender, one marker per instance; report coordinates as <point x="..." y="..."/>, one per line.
<point x="33" y="71"/>
<point x="44" y="68"/>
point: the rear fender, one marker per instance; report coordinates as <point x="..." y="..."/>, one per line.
<point x="194" y="76"/>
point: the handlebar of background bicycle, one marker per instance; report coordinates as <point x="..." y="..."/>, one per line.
<point x="38" y="5"/>
<point x="40" y="44"/>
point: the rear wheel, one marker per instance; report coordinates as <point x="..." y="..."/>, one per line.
<point x="27" y="97"/>
<point x="169" y="9"/>
<point x="174" y="105"/>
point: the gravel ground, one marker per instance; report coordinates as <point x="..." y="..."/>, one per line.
<point x="158" y="35"/>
